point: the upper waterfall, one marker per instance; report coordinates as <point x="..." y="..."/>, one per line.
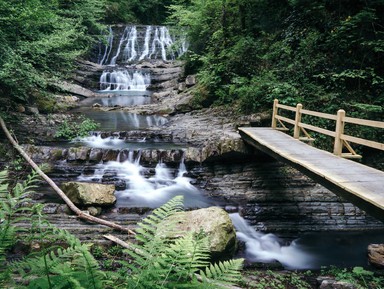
<point x="135" y="43"/>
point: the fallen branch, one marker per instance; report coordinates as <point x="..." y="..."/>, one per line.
<point x="70" y="204"/>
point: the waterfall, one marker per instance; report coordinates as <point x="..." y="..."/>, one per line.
<point x="268" y="247"/>
<point x="136" y="45"/>
<point x="143" y="189"/>
<point x="129" y="53"/>
<point x="124" y="80"/>
<point x="108" y="48"/>
<point x="146" y="43"/>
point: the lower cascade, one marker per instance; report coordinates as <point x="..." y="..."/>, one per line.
<point x="267" y="248"/>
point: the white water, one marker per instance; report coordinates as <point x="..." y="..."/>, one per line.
<point x="96" y="141"/>
<point x="148" y="191"/>
<point x="267" y="248"/>
<point x="124" y="80"/>
<point x="158" y="43"/>
<point x="108" y="47"/>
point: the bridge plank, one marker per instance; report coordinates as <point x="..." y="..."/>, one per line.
<point x="364" y="185"/>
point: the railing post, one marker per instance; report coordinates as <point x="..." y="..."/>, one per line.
<point x="338" y="146"/>
<point x="274" y="113"/>
<point x="296" y="131"/>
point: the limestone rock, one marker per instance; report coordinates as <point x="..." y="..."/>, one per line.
<point x="31" y="110"/>
<point x="190" y="80"/>
<point x="333" y="284"/>
<point x="78" y="153"/>
<point x="75" y="89"/>
<point x="94" y="211"/>
<point x="89" y="193"/>
<point x="376" y="255"/>
<point x="182" y="86"/>
<point x="215" y="222"/>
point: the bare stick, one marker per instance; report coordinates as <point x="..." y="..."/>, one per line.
<point x="70" y="204"/>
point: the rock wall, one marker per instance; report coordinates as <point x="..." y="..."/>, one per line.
<point x="277" y="198"/>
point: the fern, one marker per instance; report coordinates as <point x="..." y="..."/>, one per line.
<point x="57" y="267"/>
<point x="11" y="203"/>
<point x="160" y="260"/>
<point x="223" y="273"/>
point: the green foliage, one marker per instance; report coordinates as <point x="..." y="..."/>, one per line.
<point x="269" y="279"/>
<point x="358" y="276"/>
<point x="317" y="52"/>
<point x="135" y="11"/>
<point x="11" y="203"/>
<point x="67" y="266"/>
<point x="41" y="40"/>
<point x="70" y="129"/>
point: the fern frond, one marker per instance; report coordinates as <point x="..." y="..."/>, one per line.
<point x="223" y="273"/>
<point x="87" y="268"/>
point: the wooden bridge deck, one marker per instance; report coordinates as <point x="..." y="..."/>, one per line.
<point x="359" y="184"/>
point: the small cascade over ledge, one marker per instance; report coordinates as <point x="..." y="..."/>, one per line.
<point x="124" y="80"/>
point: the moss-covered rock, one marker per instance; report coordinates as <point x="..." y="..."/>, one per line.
<point x="214" y="222"/>
<point x="89" y="193"/>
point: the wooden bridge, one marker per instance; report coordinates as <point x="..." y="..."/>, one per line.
<point x="361" y="185"/>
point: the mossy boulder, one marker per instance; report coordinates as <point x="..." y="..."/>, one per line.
<point x="89" y="193"/>
<point x="214" y="222"/>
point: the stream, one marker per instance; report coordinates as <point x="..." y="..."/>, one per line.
<point x="122" y="85"/>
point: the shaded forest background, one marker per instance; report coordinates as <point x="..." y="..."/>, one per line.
<point x="325" y="54"/>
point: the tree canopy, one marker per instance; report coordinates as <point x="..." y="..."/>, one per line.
<point x="40" y="41"/>
<point x="326" y="53"/>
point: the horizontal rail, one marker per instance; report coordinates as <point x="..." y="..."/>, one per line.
<point x="318" y="129"/>
<point x="286" y="107"/>
<point x="361" y="141"/>
<point x="341" y="139"/>
<point x="318" y="114"/>
<point x="366" y="122"/>
<point x="285" y="119"/>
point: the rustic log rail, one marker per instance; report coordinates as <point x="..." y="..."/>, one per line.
<point x="341" y="139"/>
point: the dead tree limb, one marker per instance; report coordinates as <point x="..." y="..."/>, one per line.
<point x="70" y="204"/>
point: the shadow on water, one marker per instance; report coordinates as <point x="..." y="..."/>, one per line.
<point x="120" y="98"/>
<point x="121" y="120"/>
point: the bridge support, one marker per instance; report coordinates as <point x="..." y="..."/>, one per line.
<point x="338" y="145"/>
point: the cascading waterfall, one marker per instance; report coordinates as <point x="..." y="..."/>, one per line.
<point x="150" y="191"/>
<point x="134" y="45"/>
<point x="108" y="47"/>
<point x="124" y="80"/>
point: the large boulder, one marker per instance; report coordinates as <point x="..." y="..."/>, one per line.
<point x="89" y="193"/>
<point x="376" y="255"/>
<point x="216" y="224"/>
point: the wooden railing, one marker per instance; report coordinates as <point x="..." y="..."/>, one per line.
<point x="341" y="139"/>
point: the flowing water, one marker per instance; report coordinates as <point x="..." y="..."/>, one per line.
<point x="124" y="80"/>
<point x="145" y="187"/>
<point x="152" y="186"/>
<point x="135" y="43"/>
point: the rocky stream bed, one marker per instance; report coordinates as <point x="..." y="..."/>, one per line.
<point x="271" y="196"/>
